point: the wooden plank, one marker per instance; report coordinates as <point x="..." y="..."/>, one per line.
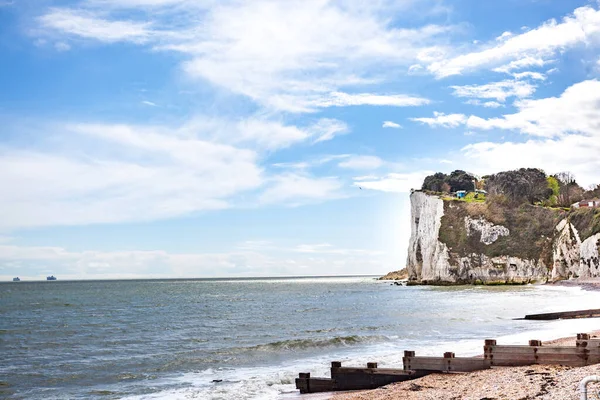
<point x="588" y="343"/>
<point x="561" y="350"/>
<point x="369" y="378"/>
<point x="454" y="364"/>
<point x="592" y="313"/>
<point x="315" y="385"/>
<point x="374" y="371"/>
<point x="510" y="349"/>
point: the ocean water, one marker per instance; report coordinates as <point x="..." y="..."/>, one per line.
<point x="246" y="339"/>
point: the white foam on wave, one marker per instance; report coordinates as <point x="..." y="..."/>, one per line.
<point x="277" y="381"/>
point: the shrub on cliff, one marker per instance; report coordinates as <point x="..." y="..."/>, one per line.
<point x="569" y="191"/>
<point x="525" y="185"/>
<point x="435" y="182"/>
<point x="457" y="180"/>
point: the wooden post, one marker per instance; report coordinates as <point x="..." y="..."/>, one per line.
<point x="371" y="365"/>
<point x="536" y="343"/>
<point x="448" y="354"/>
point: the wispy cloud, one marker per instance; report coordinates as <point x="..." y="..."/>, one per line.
<point x="391" y="124"/>
<point x="295" y="190"/>
<point x="534" y="47"/>
<point x="88" y="24"/>
<point x="297" y="62"/>
<point x="442" y="120"/>
<point x="393" y="182"/>
<point x="250" y="259"/>
<point x="498" y="91"/>
<point x="361" y="162"/>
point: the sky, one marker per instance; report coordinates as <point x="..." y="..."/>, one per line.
<point x="202" y="138"/>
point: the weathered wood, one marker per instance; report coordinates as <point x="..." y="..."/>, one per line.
<point x="593" y="313"/>
<point x="586" y="352"/>
<point x="445" y="364"/>
<point x="507" y="355"/>
<point x="315" y="385"/>
<point x="349" y="378"/>
<point x="590" y="343"/>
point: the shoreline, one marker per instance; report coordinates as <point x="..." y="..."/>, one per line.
<point x="590" y="284"/>
<point x="551" y="382"/>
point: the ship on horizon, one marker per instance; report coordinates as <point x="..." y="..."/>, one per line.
<point x="16" y="279"/>
<point x="51" y="278"/>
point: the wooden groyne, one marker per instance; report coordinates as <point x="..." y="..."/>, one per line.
<point x="593" y="313"/>
<point x="585" y="352"/>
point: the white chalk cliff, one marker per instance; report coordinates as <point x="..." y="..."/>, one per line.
<point x="448" y="245"/>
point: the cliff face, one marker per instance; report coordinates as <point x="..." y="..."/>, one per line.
<point x="455" y="242"/>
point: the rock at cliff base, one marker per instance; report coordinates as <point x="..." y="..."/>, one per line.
<point x="399" y="275"/>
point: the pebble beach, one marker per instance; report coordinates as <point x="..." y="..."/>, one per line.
<point x="499" y="383"/>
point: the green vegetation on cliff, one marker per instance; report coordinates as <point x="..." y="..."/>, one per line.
<point x="531" y="230"/>
<point x="525" y="185"/>
<point x="586" y="221"/>
<point x="526" y="202"/>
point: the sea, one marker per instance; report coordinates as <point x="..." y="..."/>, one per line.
<point x="247" y="338"/>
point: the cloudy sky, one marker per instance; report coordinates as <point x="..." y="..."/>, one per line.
<point x="202" y="138"/>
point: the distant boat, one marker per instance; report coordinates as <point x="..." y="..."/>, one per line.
<point x="16" y="279"/>
<point x="51" y="278"/>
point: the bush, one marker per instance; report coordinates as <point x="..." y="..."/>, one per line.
<point x="525" y="185"/>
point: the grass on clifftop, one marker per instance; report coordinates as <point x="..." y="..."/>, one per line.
<point x="469" y="198"/>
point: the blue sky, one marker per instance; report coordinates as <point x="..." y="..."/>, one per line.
<point x="179" y="138"/>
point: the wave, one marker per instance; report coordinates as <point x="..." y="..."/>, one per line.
<point x="308" y="344"/>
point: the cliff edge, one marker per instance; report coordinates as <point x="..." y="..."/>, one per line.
<point x="458" y="242"/>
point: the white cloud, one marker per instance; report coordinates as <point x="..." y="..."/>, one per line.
<point x="149" y="103"/>
<point x="297" y="62"/>
<point x="327" y="128"/>
<point x="108" y="173"/>
<point x="529" y="74"/>
<point x="394" y="182"/>
<point x="339" y="99"/>
<point x="575" y="111"/>
<point x="498" y="91"/>
<point x="89" y="25"/>
<point x="565" y="130"/>
<point x="443" y="120"/>
<point x="580" y="28"/>
<point x="120" y="173"/>
<point x="391" y="124"/>
<point x="487" y="104"/>
<point x="294" y="190"/>
<point x="521" y="63"/>
<point x="326" y="248"/>
<point x="361" y="162"/>
<point x="254" y="259"/>
<point x="504" y="36"/>
<point x="62" y="46"/>
<point x="575" y="153"/>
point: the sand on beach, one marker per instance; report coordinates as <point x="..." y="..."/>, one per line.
<point x="500" y="383"/>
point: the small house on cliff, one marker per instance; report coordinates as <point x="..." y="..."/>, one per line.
<point x="586" y="204"/>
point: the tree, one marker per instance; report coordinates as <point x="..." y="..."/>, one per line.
<point x="520" y="186"/>
<point x="435" y="182"/>
<point x="461" y="180"/>
<point x="553" y="185"/>
<point x="593" y="192"/>
<point x="570" y="192"/>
